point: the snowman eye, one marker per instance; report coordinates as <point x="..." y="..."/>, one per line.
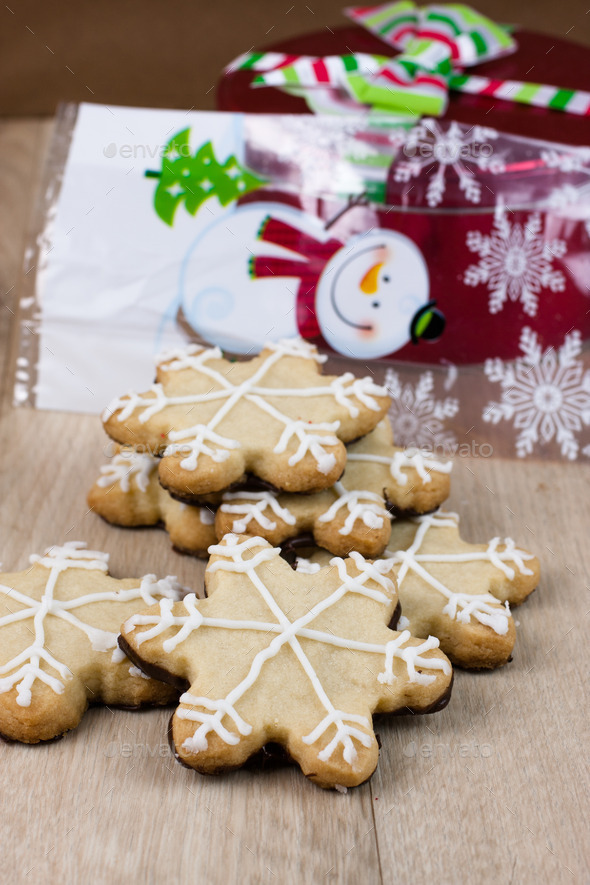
<point x="385" y="279"/>
<point x="376" y="304"/>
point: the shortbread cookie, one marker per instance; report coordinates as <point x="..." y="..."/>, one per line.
<point x="459" y="592"/>
<point x="128" y="493"/>
<point x="273" y="656"/>
<point x="274" y="416"/>
<point x="59" y="623"/>
<point x="354" y="514"/>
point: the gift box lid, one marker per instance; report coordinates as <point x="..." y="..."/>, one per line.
<point x="564" y="64"/>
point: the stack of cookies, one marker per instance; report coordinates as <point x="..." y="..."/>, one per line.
<point x="251" y="463"/>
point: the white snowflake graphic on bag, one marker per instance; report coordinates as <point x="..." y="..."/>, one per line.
<point x="418" y="419"/>
<point x="572" y="203"/>
<point x="515" y="262"/>
<point x="451" y="148"/>
<point x="546" y="395"/>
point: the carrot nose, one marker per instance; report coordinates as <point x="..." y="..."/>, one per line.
<point x="370" y="281"/>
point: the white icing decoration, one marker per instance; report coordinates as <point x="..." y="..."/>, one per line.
<point x="403" y="623"/>
<point x="365" y="506"/>
<point x="122" y="468"/>
<point x="285" y="632"/>
<point x="412" y="657"/>
<point x="179" y="358"/>
<point x="182" y="357"/>
<point x="27" y="664"/>
<point x="135" y="671"/>
<point x="252" y="507"/>
<point x="140" y="467"/>
<point x="203" y="440"/>
<point x="484" y="607"/>
<point x="196" y="439"/>
<point x="118" y="655"/>
<point x="306" y="566"/>
<point x="409" y="459"/>
<point x="344" y="735"/>
<point x="297" y="347"/>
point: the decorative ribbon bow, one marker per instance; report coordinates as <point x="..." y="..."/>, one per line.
<point x="435" y="42"/>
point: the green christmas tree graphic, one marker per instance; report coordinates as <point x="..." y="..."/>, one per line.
<point x="193" y="178"/>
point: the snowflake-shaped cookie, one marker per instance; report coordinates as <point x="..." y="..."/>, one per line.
<point x="274" y="656"/>
<point x="59" y="623"/>
<point x="515" y="262"/>
<point x="456" y="591"/>
<point x="545" y="394"/>
<point x="128" y="493"/>
<point x="355" y="513"/>
<point x="276" y="416"/>
<point x="460" y="592"/>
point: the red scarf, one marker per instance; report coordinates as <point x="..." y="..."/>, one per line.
<point x="314" y="255"/>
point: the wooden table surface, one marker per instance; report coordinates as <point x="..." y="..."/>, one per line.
<point x="493" y="789"/>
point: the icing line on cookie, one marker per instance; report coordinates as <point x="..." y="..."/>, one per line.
<point x="123" y="468"/>
<point x="187" y="358"/>
<point x="406" y="460"/>
<point x="253" y="509"/>
<point x="139" y="466"/>
<point x="365" y="506"/>
<point x="306" y="566"/>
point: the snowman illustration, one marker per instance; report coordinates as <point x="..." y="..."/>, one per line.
<point x="266" y="270"/>
<point x="269" y="271"/>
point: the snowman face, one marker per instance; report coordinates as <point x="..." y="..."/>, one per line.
<point x="369" y="294"/>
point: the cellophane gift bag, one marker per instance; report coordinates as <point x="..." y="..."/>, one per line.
<point x="450" y="262"/>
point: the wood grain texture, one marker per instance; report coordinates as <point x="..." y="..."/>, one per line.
<point x="494" y="789"/>
<point x="23" y="145"/>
